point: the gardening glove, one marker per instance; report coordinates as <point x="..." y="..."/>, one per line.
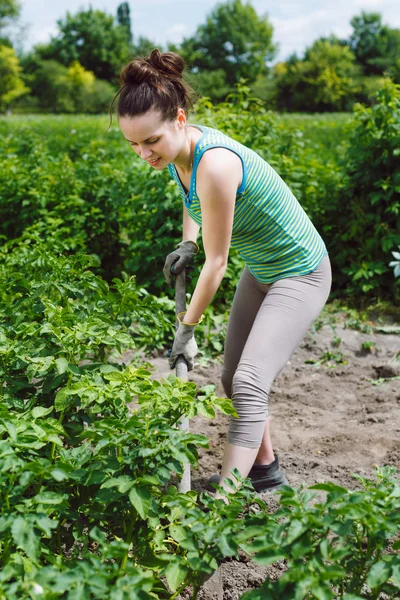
<point x="177" y="260"/>
<point x="184" y="343"/>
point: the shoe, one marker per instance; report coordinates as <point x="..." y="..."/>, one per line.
<point x="264" y="478"/>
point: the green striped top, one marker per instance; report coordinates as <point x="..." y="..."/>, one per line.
<point x="271" y="231"/>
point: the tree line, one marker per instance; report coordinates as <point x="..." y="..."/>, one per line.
<point x="78" y="69"/>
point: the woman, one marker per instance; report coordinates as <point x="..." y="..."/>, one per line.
<point x="238" y="199"/>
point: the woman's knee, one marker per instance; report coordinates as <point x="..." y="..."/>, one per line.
<point x="249" y="390"/>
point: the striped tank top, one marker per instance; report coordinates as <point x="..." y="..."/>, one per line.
<point x="271" y="231"/>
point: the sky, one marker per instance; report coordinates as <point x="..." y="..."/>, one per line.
<point x="296" y="23"/>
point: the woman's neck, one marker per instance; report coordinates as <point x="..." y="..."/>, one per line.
<point x="184" y="161"/>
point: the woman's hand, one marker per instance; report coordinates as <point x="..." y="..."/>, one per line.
<point x="184" y="344"/>
<point x="180" y="258"/>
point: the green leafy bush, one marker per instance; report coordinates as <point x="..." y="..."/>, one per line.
<point x="85" y="186"/>
<point x="90" y="455"/>
<point x="83" y="500"/>
<point x="366" y="215"/>
<point x="342" y="547"/>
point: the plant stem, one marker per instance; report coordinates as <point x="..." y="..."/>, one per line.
<point x="128" y="540"/>
<point x="179" y="590"/>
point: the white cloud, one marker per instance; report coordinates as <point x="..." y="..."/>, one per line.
<point x="41" y="34"/>
<point x="176" y="33"/>
<point x="299" y="31"/>
<point x="293" y="35"/>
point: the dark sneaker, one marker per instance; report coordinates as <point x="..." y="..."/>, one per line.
<point x="264" y="478"/>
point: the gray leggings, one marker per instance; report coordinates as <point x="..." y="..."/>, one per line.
<point x="266" y="324"/>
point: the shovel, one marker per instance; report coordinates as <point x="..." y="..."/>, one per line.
<point x="213" y="587"/>
<point x="181" y="368"/>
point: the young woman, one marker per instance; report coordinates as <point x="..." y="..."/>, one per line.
<point x="239" y="200"/>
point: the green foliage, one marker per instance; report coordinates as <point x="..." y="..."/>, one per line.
<point x="60" y="89"/>
<point x="79" y="196"/>
<point x="235" y="39"/>
<point x="9" y="11"/>
<point x="327" y="79"/>
<point x="368" y="222"/>
<point x="211" y="84"/>
<point x="336" y="548"/>
<point x="131" y="217"/>
<point x="124" y="20"/>
<point x="92" y="38"/>
<point x="372" y="42"/>
<point x="11" y="84"/>
<point x="90" y="454"/>
<point x="83" y="503"/>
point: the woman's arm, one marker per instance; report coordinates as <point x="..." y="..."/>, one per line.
<point x="190" y="229"/>
<point x="218" y="178"/>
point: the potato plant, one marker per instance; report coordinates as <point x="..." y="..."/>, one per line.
<point x="83" y="478"/>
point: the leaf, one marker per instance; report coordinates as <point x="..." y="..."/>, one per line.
<point x="10" y="428"/>
<point x="62" y="400"/>
<point x="50" y="498"/>
<point x="324" y="547"/>
<point x="140" y="498"/>
<point x="225" y="406"/>
<point x="378" y="574"/>
<point x="329" y="487"/>
<point x="206" y="411"/>
<point x="322" y="593"/>
<point x="295" y="530"/>
<point x="46" y="524"/>
<point x="25" y="538"/>
<point x="177" y="532"/>
<point x="227" y="546"/>
<point x="41" y="411"/>
<point x="59" y="474"/>
<point x="268" y="556"/>
<point x="62" y="365"/>
<point x="114" y="376"/>
<point x="175" y="574"/>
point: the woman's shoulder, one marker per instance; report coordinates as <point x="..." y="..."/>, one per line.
<point x="219" y="165"/>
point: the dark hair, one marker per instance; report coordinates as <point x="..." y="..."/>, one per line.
<point x="155" y="82"/>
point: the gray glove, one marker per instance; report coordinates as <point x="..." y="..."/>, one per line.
<point x="184" y="343"/>
<point x="177" y="260"/>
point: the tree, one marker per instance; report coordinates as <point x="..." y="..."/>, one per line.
<point x="92" y="38"/>
<point x="234" y="39"/>
<point x="9" y="9"/>
<point x="9" y="12"/>
<point x="210" y="83"/>
<point x="62" y="89"/>
<point x="144" y="46"/>
<point x="327" y="79"/>
<point x="11" y="84"/>
<point x="124" y="20"/>
<point x="365" y="41"/>
<point x="388" y="60"/>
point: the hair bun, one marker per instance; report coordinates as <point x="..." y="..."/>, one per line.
<point x="150" y="69"/>
<point x="168" y="63"/>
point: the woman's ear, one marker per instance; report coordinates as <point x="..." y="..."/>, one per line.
<point x="181" y="118"/>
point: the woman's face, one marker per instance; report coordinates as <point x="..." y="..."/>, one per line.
<point x="155" y="141"/>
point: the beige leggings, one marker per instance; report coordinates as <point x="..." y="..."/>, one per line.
<point x="266" y="324"/>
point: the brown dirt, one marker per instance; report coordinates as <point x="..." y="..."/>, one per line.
<point x="327" y="421"/>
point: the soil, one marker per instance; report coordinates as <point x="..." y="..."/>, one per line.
<point x="327" y="420"/>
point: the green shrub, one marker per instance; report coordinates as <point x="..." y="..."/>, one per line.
<point x="83" y="504"/>
<point x="365" y="217"/>
<point x="340" y="548"/>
